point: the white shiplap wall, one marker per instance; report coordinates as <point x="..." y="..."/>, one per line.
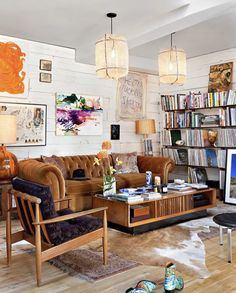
<point x="197" y="80"/>
<point x="71" y="77"/>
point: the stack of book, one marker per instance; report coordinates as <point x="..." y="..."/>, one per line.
<point x="129" y="198"/>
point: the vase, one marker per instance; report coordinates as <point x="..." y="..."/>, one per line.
<point x="109" y="185"/>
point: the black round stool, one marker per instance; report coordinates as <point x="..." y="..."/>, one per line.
<point x="227" y="220"/>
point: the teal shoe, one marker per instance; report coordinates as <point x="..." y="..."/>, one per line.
<point x="179" y="283"/>
<point x="169" y="283"/>
<point x="149" y="286"/>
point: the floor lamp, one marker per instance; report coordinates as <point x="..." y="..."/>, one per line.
<point x="146" y="127"/>
<point x="8" y="161"/>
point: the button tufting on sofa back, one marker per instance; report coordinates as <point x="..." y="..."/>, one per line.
<point x="86" y="162"/>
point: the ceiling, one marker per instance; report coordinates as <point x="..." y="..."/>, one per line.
<point x="201" y="26"/>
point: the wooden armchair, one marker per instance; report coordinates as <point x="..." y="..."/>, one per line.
<point x="46" y="228"/>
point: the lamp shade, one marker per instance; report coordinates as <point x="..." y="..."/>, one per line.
<point x="112" y="57"/>
<point x="172" y="66"/>
<point x="145" y="126"/>
<point x="7" y="129"/>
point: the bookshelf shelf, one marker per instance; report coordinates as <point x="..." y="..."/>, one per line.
<point x="200" y="120"/>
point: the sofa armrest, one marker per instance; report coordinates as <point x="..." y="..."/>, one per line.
<point x="45" y="174"/>
<point x="158" y="165"/>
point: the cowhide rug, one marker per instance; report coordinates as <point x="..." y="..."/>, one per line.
<point x="182" y="244"/>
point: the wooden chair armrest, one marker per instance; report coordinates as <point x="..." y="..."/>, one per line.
<point x="68" y="198"/>
<point x="71" y="216"/>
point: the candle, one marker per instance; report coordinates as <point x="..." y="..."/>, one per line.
<point x="157" y="180"/>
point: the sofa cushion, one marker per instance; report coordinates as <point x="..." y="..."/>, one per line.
<point x="94" y="185"/>
<point x="129" y="162"/>
<point x="132" y="179"/>
<point x="58" y="162"/>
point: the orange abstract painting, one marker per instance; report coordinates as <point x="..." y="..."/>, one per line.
<point x="12" y="75"/>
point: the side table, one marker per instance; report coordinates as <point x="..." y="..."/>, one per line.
<point x="5" y="186"/>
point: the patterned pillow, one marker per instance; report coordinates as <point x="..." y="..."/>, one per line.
<point x="56" y="161"/>
<point x="129" y="162"/>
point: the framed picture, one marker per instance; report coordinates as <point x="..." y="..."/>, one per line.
<point x="131" y="96"/>
<point x="78" y="115"/>
<point x="45" y="77"/>
<point x="220" y="77"/>
<point x="45" y="65"/>
<point x="14" y="68"/>
<point x="115" y="131"/>
<point x="230" y="178"/>
<point x="31" y="121"/>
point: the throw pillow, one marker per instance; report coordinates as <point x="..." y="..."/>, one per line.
<point x="129" y="162"/>
<point x="56" y="161"/>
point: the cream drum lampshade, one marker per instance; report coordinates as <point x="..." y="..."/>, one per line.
<point x="145" y="126"/>
<point x="172" y="66"/>
<point x="8" y="161"/>
<point x="112" y="55"/>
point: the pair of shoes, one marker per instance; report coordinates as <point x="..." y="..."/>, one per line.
<point x="144" y="286"/>
<point x="172" y="282"/>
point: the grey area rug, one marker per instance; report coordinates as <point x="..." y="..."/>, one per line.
<point x="88" y="265"/>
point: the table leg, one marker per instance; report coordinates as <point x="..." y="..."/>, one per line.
<point x="221" y="235"/>
<point x="8" y="228"/>
<point x="229" y="245"/>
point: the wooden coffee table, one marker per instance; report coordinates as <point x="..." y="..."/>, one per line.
<point x="170" y="205"/>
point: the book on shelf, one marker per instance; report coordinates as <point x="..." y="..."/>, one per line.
<point x="197" y="175"/>
<point x="139" y="210"/>
<point x="139" y="218"/>
<point x="211" y="158"/>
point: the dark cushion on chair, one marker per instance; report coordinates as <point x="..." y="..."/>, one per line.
<point x="62" y="231"/>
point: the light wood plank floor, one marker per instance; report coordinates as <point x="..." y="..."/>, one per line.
<point x="20" y="277"/>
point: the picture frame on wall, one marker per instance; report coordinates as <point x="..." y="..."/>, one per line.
<point x="115" y="131"/>
<point x="131" y="96"/>
<point x="45" y="65"/>
<point x="31" y="121"/>
<point x="45" y="77"/>
<point x="230" y="178"/>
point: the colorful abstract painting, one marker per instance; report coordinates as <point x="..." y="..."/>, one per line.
<point x="30" y="122"/>
<point x="78" y="115"/>
<point x="13" y="69"/>
<point x="220" y="77"/>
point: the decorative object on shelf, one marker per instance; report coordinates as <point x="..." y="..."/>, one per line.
<point x="109" y="180"/>
<point x="45" y="77"/>
<point x="180" y="142"/>
<point x="78" y="115"/>
<point x="146" y="127"/>
<point x="13" y="68"/>
<point x="212" y="137"/>
<point x="45" y="65"/>
<point x="31" y="120"/>
<point x="230" y="180"/>
<point x="172" y="65"/>
<point x="115" y="131"/>
<point x="220" y="77"/>
<point x="8" y="161"/>
<point x="131" y="96"/>
<point x="112" y="55"/>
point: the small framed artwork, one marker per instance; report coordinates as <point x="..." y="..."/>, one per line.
<point x="45" y="77"/>
<point x="230" y="179"/>
<point x="31" y="122"/>
<point x="45" y="65"/>
<point x="115" y="131"/>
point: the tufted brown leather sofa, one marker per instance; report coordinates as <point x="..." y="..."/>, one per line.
<point x="81" y="191"/>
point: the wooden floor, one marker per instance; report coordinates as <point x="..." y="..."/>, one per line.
<point x="20" y="277"/>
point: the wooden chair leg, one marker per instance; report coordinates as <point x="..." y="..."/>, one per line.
<point x="38" y="249"/>
<point x="8" y="229"/>
<point x="104" y="239"/>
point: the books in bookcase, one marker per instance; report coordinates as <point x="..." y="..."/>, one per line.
<point x="197" y="100"/>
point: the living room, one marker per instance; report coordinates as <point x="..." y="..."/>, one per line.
<point x="51" y="65"/>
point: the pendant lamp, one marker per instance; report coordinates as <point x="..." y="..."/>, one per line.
<point x="172" y="65"/>
<point x="112" y="56"/>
